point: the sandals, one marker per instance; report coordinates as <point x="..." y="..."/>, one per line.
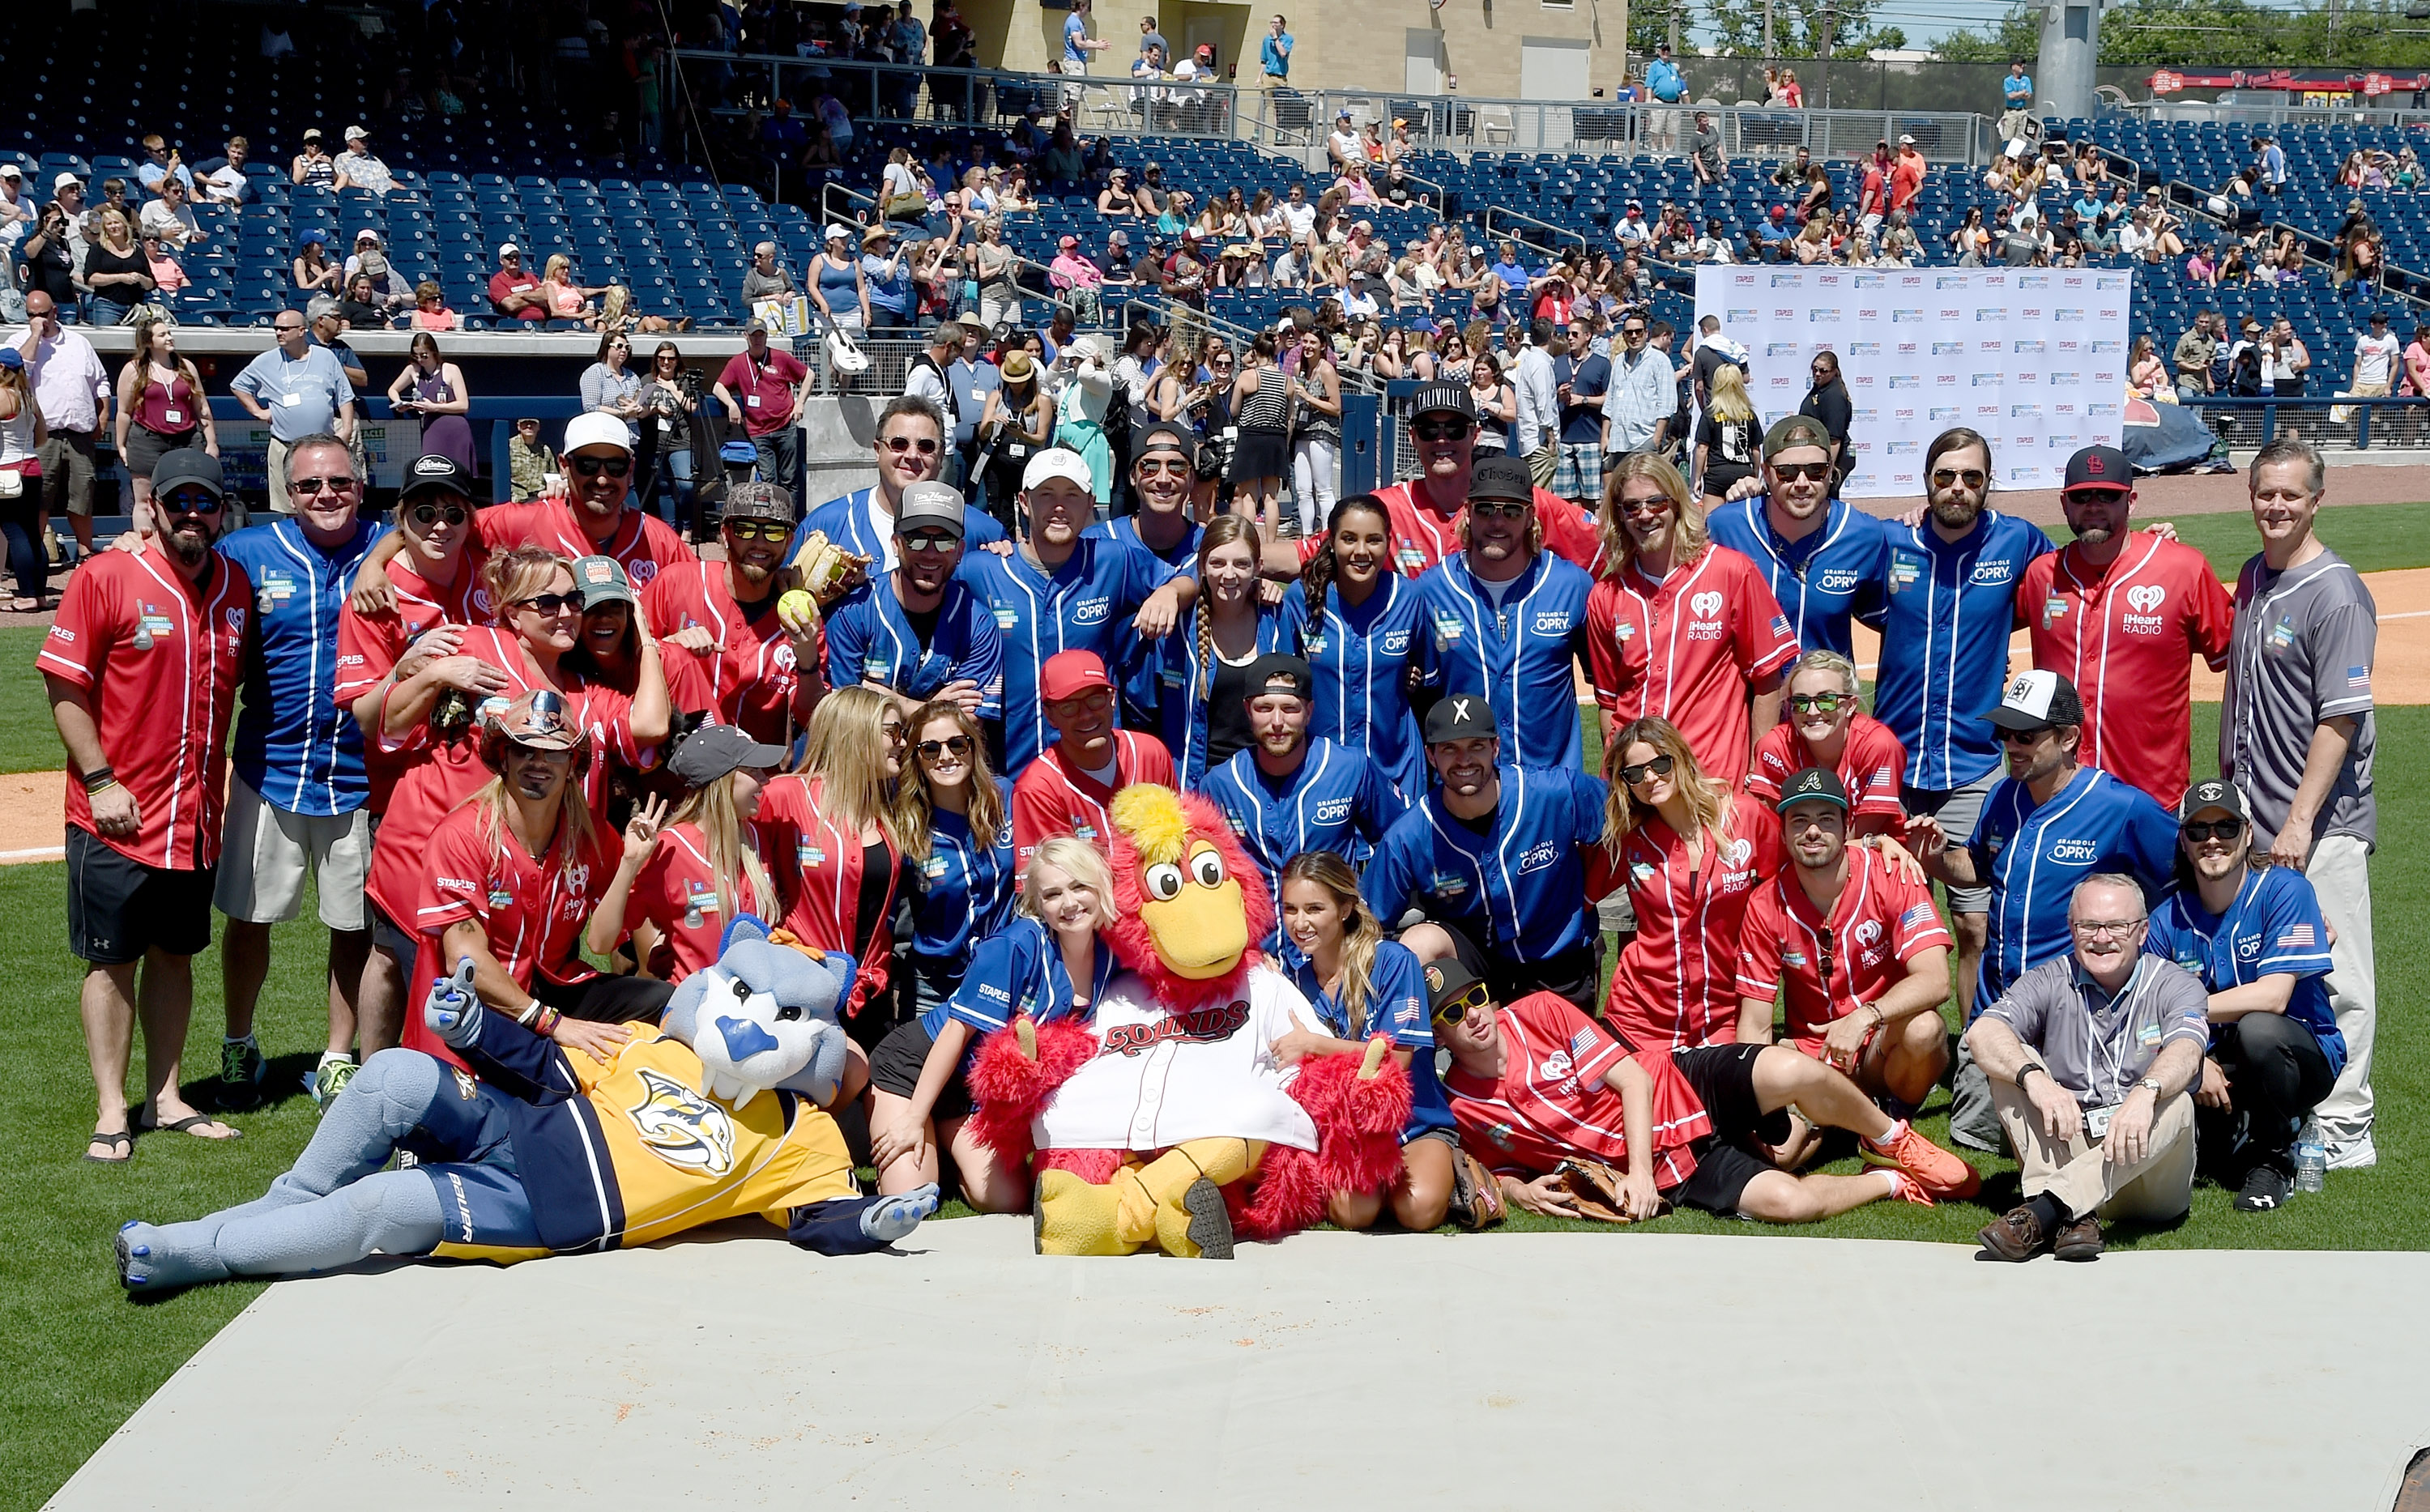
<point x="122" y="1140"/>
<point x="149" y="1122"/>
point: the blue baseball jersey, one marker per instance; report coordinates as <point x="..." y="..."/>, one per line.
<point x="962" y="891"/>
<point x="1360" y="656"/>
<point x="2034" y="856"/>
<point x="1945" y="614"/>
<point x="1516" y="885"/>
<point x="1820" y="581"/>
<point x="1085" y="604"/>
<point x="1339" y="801"/>
<point x="2274" y="925"/>
<point x="295" y="744"/>
<point x="869" y="639"/>
<point x="1395" y="1007"/>
<point x="1183" y="558"/>
<point x="1019" y="968"/>
<point x="850" y="523"/>
<point x="1185" y="680"/>
<point x="1517" y="654"/>
<point x="1141" y="673"/>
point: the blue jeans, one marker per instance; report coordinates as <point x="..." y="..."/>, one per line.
<point x="671" y="492"/>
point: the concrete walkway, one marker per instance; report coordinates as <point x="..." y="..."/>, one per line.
<point x="1641" y="1371"/>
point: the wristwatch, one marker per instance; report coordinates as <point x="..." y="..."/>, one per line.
<point x="2151" y="1084"/>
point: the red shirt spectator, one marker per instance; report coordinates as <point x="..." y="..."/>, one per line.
<point x="1688" y="648"/>
<point x="763" y="387"/>
<point x="1552" y="1102"/>
<point x="513" y="292"/>
<point x="1837" y="964"/>
<point x="159" y="658"/>
<point x="1906" y="176"/>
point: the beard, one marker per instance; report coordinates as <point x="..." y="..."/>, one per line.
<point x="190" y="546"/>
<point x="754" y="572"/>
<point x="1955" y="511"/>
<point x="2094" y="535"/>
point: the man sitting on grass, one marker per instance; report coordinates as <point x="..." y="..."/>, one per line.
<point x="1537" y="1084"/>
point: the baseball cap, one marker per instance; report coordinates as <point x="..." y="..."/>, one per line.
<point x="2379" y="317"/>
<point x="1069" y="674"/>
<point x="1814" y="783"/>
<point x="1779" y="213"/>
<point x="1907" y="141"/>
<point x="311" y="133"/>
<point x="1501" y="478"/>
<point x="1057" y="462"/>
<point x="2098" y="466"/>
<point x="507" y="249"/>
<point x="602" y="580"/>
<point x="2037" y="700"/>
<point x="1460" y="717"/>
<point x="712" y="751"/>
<point x="1446" y="980"/>
<point x="1792" y="431"/>
<point x="597" y="429"/>
<point x="2213" y="792"/>
<point x="755" y="328"/>
<point x="1444" y="398"/>
<point x="1276" y="673"/>
<point x="12" y="358"/>
<point x="352" y="132"/>
<point x="174" y="470"/>
<point x="1164" y="436"/>
<point x="1068" y="243"/>
<point x="758" y="501"/>
<point x="1117" y="238"/>
<point x="435" y="473"/>
<point x="932" y="503"/>
<point x="837" y="231"/>
<point x="11" y="171"/>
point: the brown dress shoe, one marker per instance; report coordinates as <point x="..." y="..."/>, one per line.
<point x="2015" y="1235"/>
<point x="2078" y="1239"/>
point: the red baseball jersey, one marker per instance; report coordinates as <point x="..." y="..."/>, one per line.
<point x="1050" y="797"/>
<point x="752" y="677"/>
<point x="1551" y="1102"/>
<point x="531" y="910"/>
<point x="2125" y="637"/>
<point x="1688" y="649"/>
<point x="1872" y="763"/>
<point x="1835" y="966"/>
<point x="678" y="892"/>
<point x="1422" y="536"/>
<point x="642" y="544"/>
<point x="1677" y="987"/>
<point x="159" y="658"/>
<point x="818" y="866"/>
<point x="369" y="645"/>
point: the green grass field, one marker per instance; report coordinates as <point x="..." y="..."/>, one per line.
<point x="77" y="1357"/>
<point x="2379" y="538"/>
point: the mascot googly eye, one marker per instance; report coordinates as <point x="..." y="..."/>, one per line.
<point x="1163" y="882"/>
<point x="1207" y="867"/>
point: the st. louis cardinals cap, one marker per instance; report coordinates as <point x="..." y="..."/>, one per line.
<point x="2098" y="466"/>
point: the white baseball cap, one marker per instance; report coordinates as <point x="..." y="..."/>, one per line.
<point x="507" y="249"/>
<point x="64" y="180"/>
<point x="353" y="132"/>
<point x="597" y="429"/>
<point x="1056" y="462"/>
<point x="1907" y="141"/>
<point x="837" y="233"/>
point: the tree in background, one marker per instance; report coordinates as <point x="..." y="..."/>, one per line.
<point x="2223" y="34"/>
<point x="1734" y="28"/>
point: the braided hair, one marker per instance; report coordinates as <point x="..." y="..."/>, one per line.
<point x="1221" y="531"/>
<point x="1317" y="577"/>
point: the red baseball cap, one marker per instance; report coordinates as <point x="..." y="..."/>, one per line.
<point x="1069" y="674"/>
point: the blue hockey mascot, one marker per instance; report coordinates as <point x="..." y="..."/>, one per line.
<point x="713" y="1113"/>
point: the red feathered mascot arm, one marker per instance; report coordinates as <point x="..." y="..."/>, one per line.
<point x="1016" y="1074"/>
<point x="1360" y="1103"/>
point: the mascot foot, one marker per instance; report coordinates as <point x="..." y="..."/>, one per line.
<point x="1197" y="1226"/>
<point x="149" y="1259"/>
<point x="890" y="1219"/>
<point x="1074" y="1217"/>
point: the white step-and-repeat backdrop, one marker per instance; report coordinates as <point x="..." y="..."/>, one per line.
<point x="2033" y="358"/>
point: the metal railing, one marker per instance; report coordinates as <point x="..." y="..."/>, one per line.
<point x="2331" y="422"/>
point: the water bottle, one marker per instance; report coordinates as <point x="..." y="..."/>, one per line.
<point x="2311" y="1157"/>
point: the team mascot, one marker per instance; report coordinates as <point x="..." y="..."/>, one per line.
<point x="1165" y="1119"/>
<point x="711" y="1114"/>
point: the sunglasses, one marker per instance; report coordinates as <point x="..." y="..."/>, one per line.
<point x="1790" y="472"/>
<point x="958" y="745"/>
<point x="312" y="485"/>
<point x="1637" y="772"/>
<point x="197" y="503"/>
<point x="759" y="529"/>
<point x="1096" y="702"/>
<point x="1974" y="478"/>
<point x="1817" y="703"/>
<point x="545" y="605"/>
<point x="1459" y="1008"/>
<point x="2196" y="831"/>
<point x="2096" y="495"/>
<point x="2024" y="737"/>
<point x="591" y="467"/>
<point x="430" y="514"/>
<point x="925" y="446"/>
<point x="929" y="540"/>
<point x="1498" y="509"/>
<point x="1658" y="504"/>
<point x="1442" y="430"/>
<point x="896" y="732"/>
<point x="1634" y="332"/>
<point x="1176" y="466"/>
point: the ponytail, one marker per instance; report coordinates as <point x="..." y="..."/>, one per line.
<point x="1318" y="576"/>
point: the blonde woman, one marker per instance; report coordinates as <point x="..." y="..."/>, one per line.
<point x="996" y="268"/>
<point x="617" y="312"/>
<point x="1054" y="961"/>
<point x="1316" y="434"/>
<point x="1728" y="436"/>
<point x="705" y="869"/>
<point x="568" y="300"/>
<point x="160" y="409"/>
<point x="831" y="823"/>
<point x="116" y="269"/>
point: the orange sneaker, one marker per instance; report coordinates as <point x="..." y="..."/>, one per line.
<point x="1909" y="1189"/>
<point x="1935" y="1169"/>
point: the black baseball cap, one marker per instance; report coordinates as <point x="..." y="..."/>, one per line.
<point x="2213" y="792"/>
<point x="1501" y="478"/>
<point x="1446" y="979"/>
<point x="1460" y="717"/>
<point x="2037" y="700"/>
<point x="1442" y="399"/>
<point x="1164" y="436"/>
<point x="2098" y="466"/>
<point x="1276" y="673"/>
<point x="433" y="474"/>
<point x="188" y="464"/>
<point x="1814" y="783"/>
<point x="712" y="751"/>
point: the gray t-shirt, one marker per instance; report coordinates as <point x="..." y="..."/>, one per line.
<point x="1706" y="142"/>
<point x="757" y="284"/>
<point x="302" y="395"/>
<point x="2096" y="1045"/>
<point x="2302" y="653"/>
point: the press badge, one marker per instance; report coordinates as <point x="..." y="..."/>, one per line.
<point x="1446" y="884"/>
<point x="809" y="855"/>
<point x="1447" y="632"/>
<point x="2096" y="1122"/>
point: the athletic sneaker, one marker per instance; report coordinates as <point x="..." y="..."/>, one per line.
<point x="242" y="1068"/>
<point x="1933" y="1169"/>
<point x="2353" y="1154"/>
<point x="331" y="1079"/>
<point x="1910" y="1189"/>
<point x="2265" y="1188"/>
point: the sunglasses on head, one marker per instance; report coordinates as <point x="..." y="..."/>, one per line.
<point x="1459" y="1008"/>
<point x="1442" y="430"/>
<point x="1974" y="478"/>
<point x="925" y="445"/>
<point x="590" y="467"/>
<point x="430" y="514"/>
<point x="759" y="529"/>
<point x="1637" y="772"/>
<point x="1817" y="703"/>
<point x="1789" y="471"/>
<point x="547" y="603"/>
<point x="957" y="744"/>
<point x="2224" y="829"/>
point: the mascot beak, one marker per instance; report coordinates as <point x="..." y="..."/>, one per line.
<point x="1202" y="931"/>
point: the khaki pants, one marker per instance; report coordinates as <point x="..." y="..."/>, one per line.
<point x="2154" y="1191"/>
<point x="2340" y="871"/>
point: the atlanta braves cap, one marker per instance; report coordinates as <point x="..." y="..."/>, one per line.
<point x="1814" y="783"/>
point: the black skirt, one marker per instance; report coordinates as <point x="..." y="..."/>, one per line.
<point x="1259" y="453"/>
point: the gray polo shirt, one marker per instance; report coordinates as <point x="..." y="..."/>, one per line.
<point x="2096" y="1045"/>
<point x="302" y="395"/>
<point x="2302" y="653"/>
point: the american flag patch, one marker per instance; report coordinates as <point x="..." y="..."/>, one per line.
<point x="1780" y="626"/>
<point x="2298" y="936"/>
<point x="2359" y="679"/>
<point x="1581" y="1044"/>
<point x="1917" y="916"/>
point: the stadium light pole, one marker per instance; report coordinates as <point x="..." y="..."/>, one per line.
<point x="2071" y="45"/>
